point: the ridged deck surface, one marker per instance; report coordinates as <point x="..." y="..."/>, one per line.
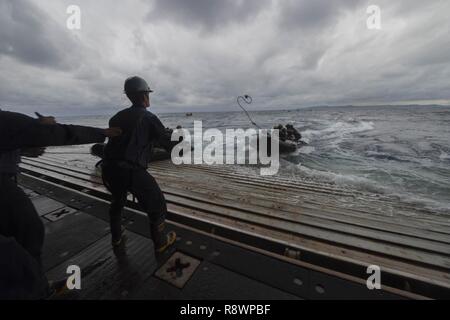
<point x="344" y="225"/>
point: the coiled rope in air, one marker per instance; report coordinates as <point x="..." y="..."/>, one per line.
<point x="248" y="100"/>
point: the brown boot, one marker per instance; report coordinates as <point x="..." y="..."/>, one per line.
<point x="162" y="239"/>
<point x="171" y="237"/>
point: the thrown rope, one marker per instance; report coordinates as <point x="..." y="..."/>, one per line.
<point x="248" y="100"/>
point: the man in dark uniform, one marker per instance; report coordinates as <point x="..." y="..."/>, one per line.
<point x="125" y="164"/>
<point x="21" y="276"/>
<point x="18" y="217"/>
<point x="9" y="164"/>
<point x="9" y="161"/>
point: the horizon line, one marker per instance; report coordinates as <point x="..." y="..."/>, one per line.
<point x="269" y="110"/>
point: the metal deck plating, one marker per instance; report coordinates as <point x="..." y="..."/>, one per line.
<point x="254" y="237"/>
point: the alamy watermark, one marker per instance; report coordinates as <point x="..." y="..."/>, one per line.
<point x="73" y="282"/>
<point x="374" y="280"/>
<point x="235" y="146"/>
<point x="374" y="19"/>
<point x="73" y="22"/>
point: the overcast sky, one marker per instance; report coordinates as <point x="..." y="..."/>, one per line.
<point x="201" y="54"/>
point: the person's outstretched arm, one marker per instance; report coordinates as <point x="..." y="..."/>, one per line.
<point x="20" y="131"/>
<point x="159" y="131"/>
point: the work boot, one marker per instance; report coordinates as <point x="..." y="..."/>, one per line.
<point x="118" y="240"/>
<point x="58" y="290"/>
<point x="170" y="239"/>
<point x="162" y="239"/>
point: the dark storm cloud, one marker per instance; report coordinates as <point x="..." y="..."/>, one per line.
<point x="206" y="14"/>
<point x="307" y="14"/>
<point x="27" y="34"/>
<point x="199" y="55"/>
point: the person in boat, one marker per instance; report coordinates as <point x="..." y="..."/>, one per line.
<point x="292" y="133"/>
<point x="20" y="224"/>
<point x="124" y="166"/>
<point x="283" y="134"/>
<point x="278" y="127"/>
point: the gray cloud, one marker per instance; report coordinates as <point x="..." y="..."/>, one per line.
<point x="199" y="55"/>
<point x="27" y="34"/>
<point x="207" y="14"/>
<point x="306" y="14"/>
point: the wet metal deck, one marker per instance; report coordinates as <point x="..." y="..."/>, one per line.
<point x="307" y="229"/>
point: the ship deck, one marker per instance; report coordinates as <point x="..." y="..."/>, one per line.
<point x="249" y="237"/>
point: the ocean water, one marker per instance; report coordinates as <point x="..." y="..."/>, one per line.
<point x="401" y="151"/>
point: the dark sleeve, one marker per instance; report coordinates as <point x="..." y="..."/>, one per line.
<point x="23" y="132"/>
<point x="158" y="132"/>
<point x="112" y="122"/>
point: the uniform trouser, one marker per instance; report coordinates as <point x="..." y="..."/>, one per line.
<point x="21" y="276"/>
<point x="20" y="220"/>
<point x="119" y="181"/>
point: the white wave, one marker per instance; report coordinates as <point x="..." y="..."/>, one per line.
<point x="307" y="150"/>
<point x="444" y="156"/>
<point x="342" y="179"/>
<point x="337" y="131"/>
<point x="370" y="186"/>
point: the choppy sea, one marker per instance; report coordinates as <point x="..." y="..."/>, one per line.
<point x="402" y="151"/>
